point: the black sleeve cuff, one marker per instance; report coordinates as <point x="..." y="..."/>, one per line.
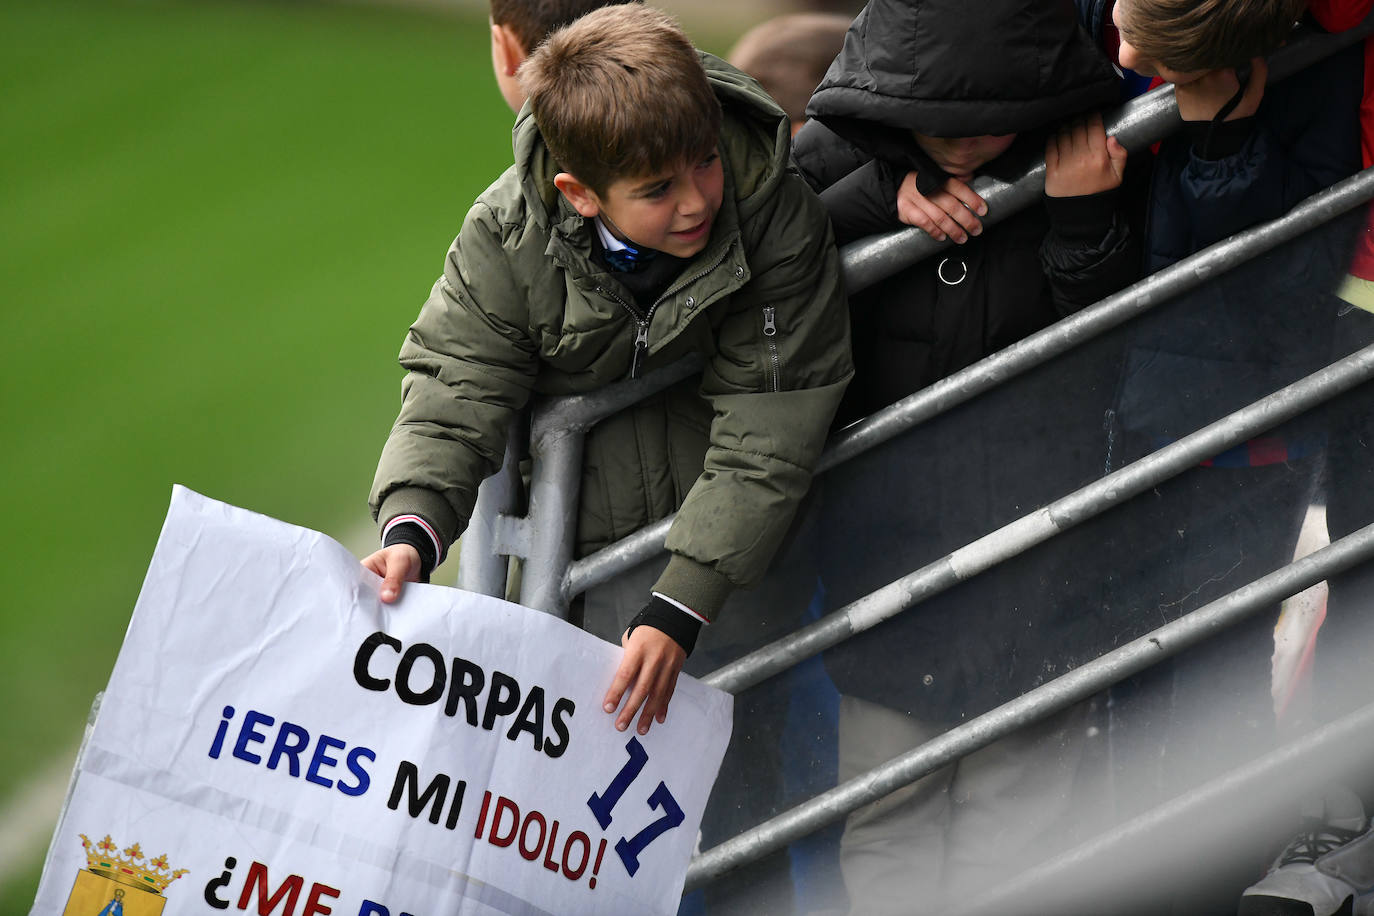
<point x="863" y="202"/>
<point x="412" y="534"/>
<point x="1212" y="140"/>
<point x="929" y="176"/>
<point x="678" y="624"/>
<point x="1085" y="219"/>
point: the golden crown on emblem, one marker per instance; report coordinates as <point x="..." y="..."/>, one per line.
<point x="129" y="866"/>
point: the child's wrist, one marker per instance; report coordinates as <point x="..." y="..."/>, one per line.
<point x="1083" y="218"/>
<point x="678" y="625"/>
<point x="694" y="584"/>
<point x="418" y="535"/>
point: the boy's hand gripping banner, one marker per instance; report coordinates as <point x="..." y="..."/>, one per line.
<point x="275" y="740"/>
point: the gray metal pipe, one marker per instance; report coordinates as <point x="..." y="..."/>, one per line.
<point x="557" y="435"/>
<point x="555" y="489"/>
<point x="1060" y="515"/>
<point x="1081" y="327"/>
<point x="482" y="568"/>
<point x="1020" y="357"/>
<point x="583" y="411"/>
<point x="1136" y="124"/>
<point x="613" y="559"/>
<point x="1034" y="705"/>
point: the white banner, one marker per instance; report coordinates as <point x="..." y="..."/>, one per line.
<point x="276" y="740"/>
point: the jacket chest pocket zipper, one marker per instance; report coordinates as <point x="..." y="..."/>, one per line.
<point x="770" y="339"/>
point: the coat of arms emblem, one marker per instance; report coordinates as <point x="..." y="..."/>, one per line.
<point x="119" y="882"/>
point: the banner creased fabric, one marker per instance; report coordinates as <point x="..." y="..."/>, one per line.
<point x="276" y="740"/>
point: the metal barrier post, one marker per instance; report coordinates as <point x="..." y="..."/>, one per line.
<point x="557" y="434"/>
<point x="483" y="564"/>
<point x="555" y="487"/>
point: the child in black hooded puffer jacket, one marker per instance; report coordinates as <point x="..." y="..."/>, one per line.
<point x="924" y="99"/>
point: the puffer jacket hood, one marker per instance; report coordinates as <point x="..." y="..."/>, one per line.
<point x="757" y="145"/>
<point x="950" y="68"/>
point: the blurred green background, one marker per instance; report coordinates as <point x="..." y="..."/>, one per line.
<point x="218" y="219"/>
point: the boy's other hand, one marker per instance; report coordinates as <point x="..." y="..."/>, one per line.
<point x="395" y="564"/>
<point x="951" y="212"/>
<point x="647" y="677"/>
<point x="1202" y="98"/>
<point x="1081" y="160"/>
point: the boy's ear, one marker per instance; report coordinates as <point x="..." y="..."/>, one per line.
<point x="583" y="198"/>
<point x="506" y="50"/>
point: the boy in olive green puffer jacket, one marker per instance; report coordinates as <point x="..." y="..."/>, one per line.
<point x="651" y="213"/>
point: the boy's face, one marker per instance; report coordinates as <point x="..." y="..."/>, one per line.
<point x="962" y="156"/>
<point x="672" y="212"/>
<point x="1131" y="59"/>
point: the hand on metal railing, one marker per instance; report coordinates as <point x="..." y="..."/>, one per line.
<point x="1137" y="124"/>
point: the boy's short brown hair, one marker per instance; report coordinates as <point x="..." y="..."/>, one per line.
<point x="621" y="93"/>
<point x="534" y="20"/>
<point x="1192" y="35"/>
<point x="789" y="55"/>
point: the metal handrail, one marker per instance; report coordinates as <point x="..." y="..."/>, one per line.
<point x="554" y="437"/>
<point x="1033" y="706"/>
<point x="1029" y="530"/>
<point x="557" y="435"/>
<point x="1020" y="357"/>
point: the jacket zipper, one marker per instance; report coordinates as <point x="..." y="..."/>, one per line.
<point x="641" y="347"/>
<point x="770" y="333"/>
<point x="642" y="335"/>
<point x="641" y="330"/>
<point x="642" y="320"/>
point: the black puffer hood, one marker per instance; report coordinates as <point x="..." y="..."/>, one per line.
<point x="963" y="68"/>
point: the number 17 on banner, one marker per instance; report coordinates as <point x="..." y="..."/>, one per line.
<point x="602" y="804"/>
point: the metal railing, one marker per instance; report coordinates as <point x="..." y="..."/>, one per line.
<point x="1037" y="704"/>
<point x="1138" y="124"/>
<point x="1020" y="357"/>
<point x="1038" y="526"/>
<point x="544" y="537"/>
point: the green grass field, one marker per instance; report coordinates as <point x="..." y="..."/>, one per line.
<point x="217" y="220"/>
